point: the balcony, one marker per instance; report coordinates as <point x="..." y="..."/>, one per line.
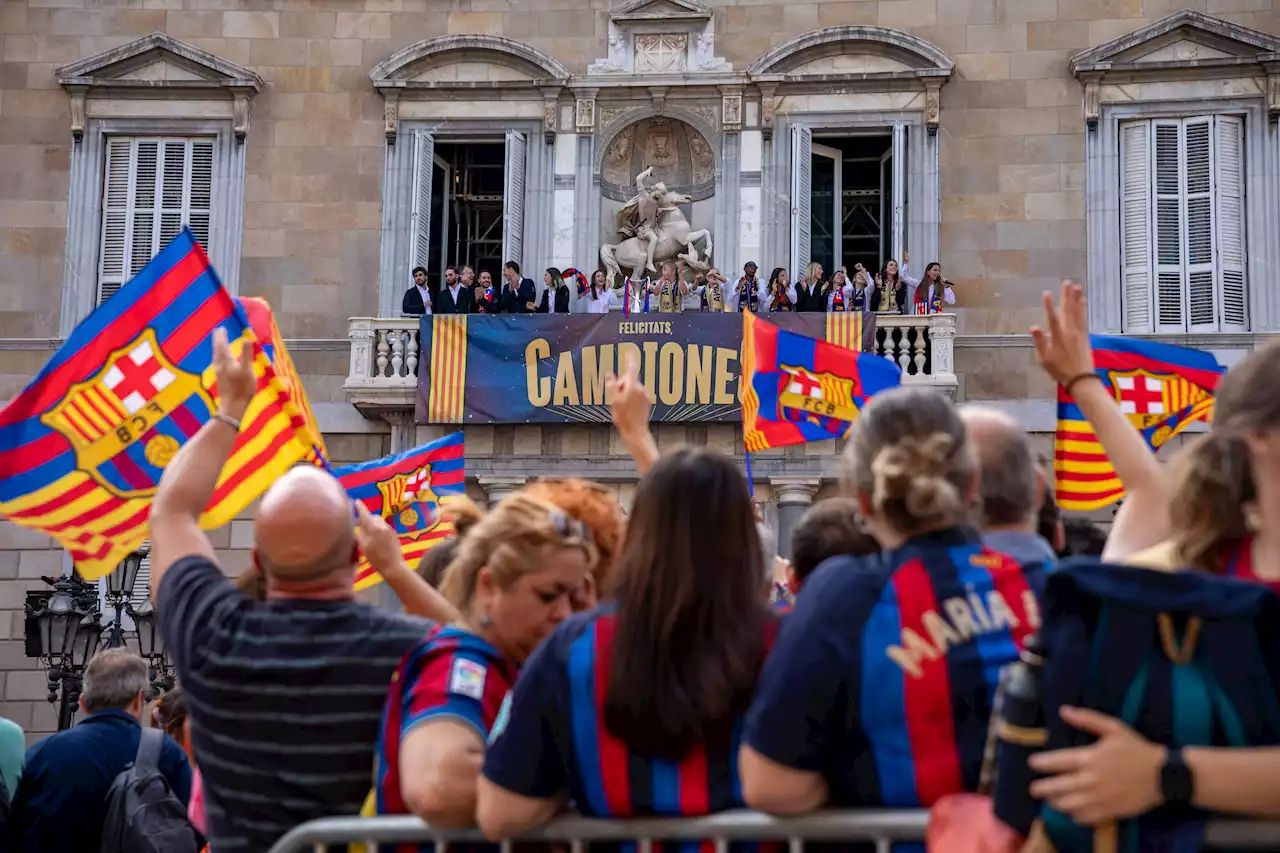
<point x="386" y="354"/>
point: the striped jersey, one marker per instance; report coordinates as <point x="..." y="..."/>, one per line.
<point x="451" y="675"/>
<point x="885" y="671"/>
<point x="556" y="739"/>
<point x="286" y="698"/>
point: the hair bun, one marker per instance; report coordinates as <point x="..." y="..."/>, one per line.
<point x="911" y="476"/>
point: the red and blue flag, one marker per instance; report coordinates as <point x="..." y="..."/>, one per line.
<point x="798" y="389"/>
<point x="1162" y="389"/>
<point x="408" y="489"/>
<point x="85" y="444"/>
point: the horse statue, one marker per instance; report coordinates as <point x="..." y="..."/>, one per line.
<point x="655" y="231"/>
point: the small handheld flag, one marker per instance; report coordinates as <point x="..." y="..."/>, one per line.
<point x="797" y="389"/>
<point x="408" y="490"/>
<point x="1162" y="388"/>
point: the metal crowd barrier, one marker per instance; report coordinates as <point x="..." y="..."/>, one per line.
<point x="880" y="826"/>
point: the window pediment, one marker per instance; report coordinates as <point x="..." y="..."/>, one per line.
<point x="158" y="66"/>
<point x="1182" y="48"/>
<point x="1183" y="42"/>
<point x="854" y="50"/>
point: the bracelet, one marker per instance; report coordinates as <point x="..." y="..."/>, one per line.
<point x="1079" y="377"/>
<point x="227" y="419"/>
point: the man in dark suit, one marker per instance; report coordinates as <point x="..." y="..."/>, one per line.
<point x="454" y="297"/>
<point x="518" y="294"/>
<point x="417" y="299"/>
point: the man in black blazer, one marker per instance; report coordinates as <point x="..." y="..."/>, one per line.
<point x="455" y="297"/>
<point x="417" y="299"/>
<point x="518" y="293"/>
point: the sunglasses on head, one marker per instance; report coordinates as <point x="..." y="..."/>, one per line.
<point x="569" y="528"/>
<point x="586" y="484"/>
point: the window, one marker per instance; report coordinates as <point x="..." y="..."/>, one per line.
<point x="1182" y="225"/>
<point x="153" y="187"/>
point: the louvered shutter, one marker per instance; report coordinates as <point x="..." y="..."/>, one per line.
<point x="1168" y="227"/>
<point x="513" y="199"/>
<point x="801" y="193"/>
<point x="1229" y="197"/>
<point x="153" y="188"/>
<point x="424" y="149"/>
<point x="1198" y="218"/>
<point x="1135" y="224"/>
<point x="142" y="586"/>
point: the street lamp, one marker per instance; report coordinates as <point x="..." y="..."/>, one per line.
<point x="120" y="584"/>
<point x="151" y="646"/>
<point x="63" y="629"/>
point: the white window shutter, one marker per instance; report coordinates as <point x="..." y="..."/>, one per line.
<point x="1200" y="250"/>
<point x="801" y="192"/>
<point x="1229" y="195"/>
<point x="1169" y="219"/>
<point x="153" y="188"/>
<point x="1135" y="224"/>
<point x="117" y="211"/>
<point x="142" y="586"/>
<point x="513" y="200"/>
<point x="424" y="149"/>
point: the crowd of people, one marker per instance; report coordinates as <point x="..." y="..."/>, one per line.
<point x="678" y="289"/>
<point x="558" y="654"/>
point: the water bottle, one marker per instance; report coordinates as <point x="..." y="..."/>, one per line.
<point x="1020" y="732"/>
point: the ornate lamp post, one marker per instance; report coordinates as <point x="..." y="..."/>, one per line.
<point x="120" y="584"/>
<point x="151" y="644"/>
<point x="63" y="629"/>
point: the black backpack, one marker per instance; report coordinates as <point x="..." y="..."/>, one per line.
<point x="142" y="813"/>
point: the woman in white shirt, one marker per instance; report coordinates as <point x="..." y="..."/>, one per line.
<point x="600" y="298"/>
<point x="837" y="293"/>
<point x="781" y="293"/>
<point x="933" y="287"/>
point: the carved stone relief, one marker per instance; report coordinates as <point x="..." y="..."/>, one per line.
<point x="680" y="157"/>
<point x="731" y="111"/>
<point x="585" y="118"/>
<point x="661" y="53"/>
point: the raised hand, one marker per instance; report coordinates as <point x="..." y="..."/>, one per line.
<point x="237" y="382"/>
<point x="378" y="541"/>
<point x="629" y="401"/>
<point x="1062" y="344"/>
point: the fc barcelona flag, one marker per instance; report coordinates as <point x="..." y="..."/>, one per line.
<point x="407" y="489"/>
<point x="85" y="444"/>
<point x="1162" y="388"/>
<point x="797" y="389"/>
<point x="263" y="323"/>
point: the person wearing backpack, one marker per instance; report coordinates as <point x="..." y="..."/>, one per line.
<point x="75" y="781"/>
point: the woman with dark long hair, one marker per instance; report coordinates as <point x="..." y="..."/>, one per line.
<point x="890" y="292"/>
<point x="781" y="293"/>
<point x="633" y="708"/>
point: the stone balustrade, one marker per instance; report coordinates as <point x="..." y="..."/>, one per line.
<point x="386" y="353"/>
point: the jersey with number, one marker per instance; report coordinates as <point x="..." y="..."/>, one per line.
<point x="451" y="675"/>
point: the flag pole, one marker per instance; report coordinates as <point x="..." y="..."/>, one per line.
<point x="751" y="481"/>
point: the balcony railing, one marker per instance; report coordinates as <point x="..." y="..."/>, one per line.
<point x="386" y="355"/>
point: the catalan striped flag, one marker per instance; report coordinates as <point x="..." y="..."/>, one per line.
<point x="1162" y="388"/>
<point x="446" y="400"/>
<point x="85" y="444"/>
<point x="797" y="389"/>
<point x="855" y="330"/>
<point x="407" y="489"/>
<point x="267" y="332"/>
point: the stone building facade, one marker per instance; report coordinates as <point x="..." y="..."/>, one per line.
<point x="322" y="148"/>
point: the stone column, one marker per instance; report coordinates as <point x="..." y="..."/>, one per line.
<point x="794" y="496"/>
<point x="497" y="488"/>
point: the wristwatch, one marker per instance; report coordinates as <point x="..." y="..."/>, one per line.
<point x="1176" y="783"/>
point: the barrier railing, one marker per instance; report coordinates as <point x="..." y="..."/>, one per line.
<point x="880" y="826"/>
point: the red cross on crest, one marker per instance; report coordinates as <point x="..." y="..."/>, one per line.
<point x="138" y="377"/>
<point x="804" y="383"/>
<point x="1140" y="393"/>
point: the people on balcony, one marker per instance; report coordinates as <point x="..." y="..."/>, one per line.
<point x="518" y="293"/>
<point x="454" y="297"/>
<point x="600" y="298"/>
<point x="890" y="293"/>
<point x="780" y="294"/>
<point x="835" y="294"/>
<point x="483" y="300"/>
<point x="929" y="293"/>
<point x="555" y="297"/>
<point x="417" y="299"/>
<point x="748" y="293"/>
<point x="809" y="287"/>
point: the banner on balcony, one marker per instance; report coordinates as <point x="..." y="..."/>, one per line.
<point x="551" y="368"/>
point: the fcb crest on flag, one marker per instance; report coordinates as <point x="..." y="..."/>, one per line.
<point x="128" y="420"/>
<point x="409" y="490"/>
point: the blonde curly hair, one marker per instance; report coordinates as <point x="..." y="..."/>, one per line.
<point x="513" y="540"/>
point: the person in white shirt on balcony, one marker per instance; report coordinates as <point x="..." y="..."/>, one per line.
<point x="837" y="293"/>
<point x="600" y="298"/>
<point x="691" y="293"/>
<point x="932" y="291"/>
